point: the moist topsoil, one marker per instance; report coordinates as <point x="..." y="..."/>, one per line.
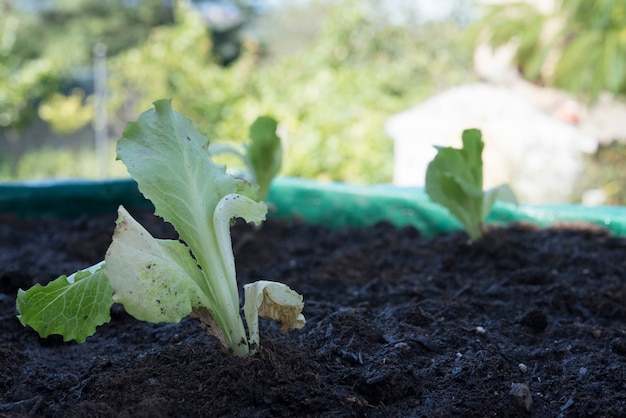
<point x="524" y="322"/>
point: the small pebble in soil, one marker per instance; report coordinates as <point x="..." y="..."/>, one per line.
<point x="520" y="394"/>
<point x="522" y="367"/>
<point x="480" y="330"/>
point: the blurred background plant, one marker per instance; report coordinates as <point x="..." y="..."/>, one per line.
<point x="331" y="90"/>
<point x="575" y="45"/>
<point x="304" y="88"/>
<point x="331" y="71"/>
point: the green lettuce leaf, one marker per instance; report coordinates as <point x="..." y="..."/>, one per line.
<point x="169" y="159"/>
<point x="454" y="179"/>
<point x="69" y="306"/>
<point x="156" y="280"/>
<point x="265" y="152"/>
<point x="166" y="280"/>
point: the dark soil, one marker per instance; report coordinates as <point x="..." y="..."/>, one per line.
<point x="524" y="322"/>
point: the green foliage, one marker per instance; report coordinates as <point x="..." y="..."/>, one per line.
<point x="71" y="28"/>
<point x="66" y="114"/>
<point x="49" y="162"/>
<point x="265" y="152"/>
<point x="176" y="61"/>
<point x="22" y="81"/>
<point x="588" y="44"/>
<point x="40" y="51"/>
<point x="332" y="98"/>
<point x="454" y="179"/>
<point x="21" y="90"/>
<point x="262" y="156"/>
<point x="69" y="306"/>
<point x="335" y="115"/>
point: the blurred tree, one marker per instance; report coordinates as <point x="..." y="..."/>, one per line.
<point x="70" y="28"/>
<point x="43" y="43"/>
<point x="176" y="61"/>
<point x="581" y="47"/>
<point x="22" y="80"/>
<point x="331" y="97"/>
<point x="46" y="47"/>
<point x="334" y="96"/>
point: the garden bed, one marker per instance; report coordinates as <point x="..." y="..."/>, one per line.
<point x="525" y="322"/>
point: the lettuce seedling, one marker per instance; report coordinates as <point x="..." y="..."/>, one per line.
<point x="166" y="280"/>
<point x="454" y="179"/>
<point x="262" y="156"/>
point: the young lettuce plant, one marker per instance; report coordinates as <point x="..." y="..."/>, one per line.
<point x="454" y="179"/>
<point x="262" y="156"/>
<point x="166" y="280"/>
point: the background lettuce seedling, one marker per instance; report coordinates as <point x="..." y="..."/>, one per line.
<point x="262" y="156"/>
<point x="454" y="179"/>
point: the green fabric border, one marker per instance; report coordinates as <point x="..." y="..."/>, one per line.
<point x="332" y="204"/>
